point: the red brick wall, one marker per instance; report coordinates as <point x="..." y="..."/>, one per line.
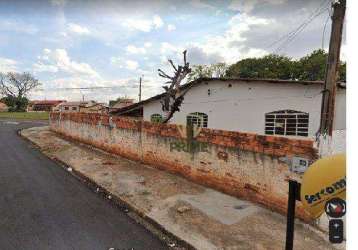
<point x="241" y="164"/>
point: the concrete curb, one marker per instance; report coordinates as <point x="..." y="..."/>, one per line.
<point x="116" y="200"/>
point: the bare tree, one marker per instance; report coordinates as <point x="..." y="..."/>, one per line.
<point x="16" y="86"/>
<point x="174" y="96"/>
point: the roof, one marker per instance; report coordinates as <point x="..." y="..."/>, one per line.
<point x="49" y="102"/>
<point x="205" y="79"/>
<point x="77" y="103"/>
<point x="123" y="103"/>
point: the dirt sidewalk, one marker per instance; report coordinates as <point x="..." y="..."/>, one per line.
<point x="202" y="217"/>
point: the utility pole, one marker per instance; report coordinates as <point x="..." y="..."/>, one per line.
<point x="140" y="88"/>
<point x="330" y="83"/>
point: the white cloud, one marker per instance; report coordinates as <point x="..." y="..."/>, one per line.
<point x="60" y="3"/>
<point x="124" y="63"/>
<point x="18" y="26"/>
<point x="145" y="25"/>
<point x="78" y="29"/>
<point x="168" y="48"/>
<point x="157" y="21"/>
<point x="115" y="60"/>
<point x="147" y="44"/>
<point x="247" y="6"/>
<point x="171" y="27"/>
<point x="230" y="46"/>
<point x="7" y="65"/>
<point x="200" y="4"/>
<point x="131" y="65"/>
<point x="131" y="49"/>
<point x="41" y="67"/>
<point x="59" y="61"/>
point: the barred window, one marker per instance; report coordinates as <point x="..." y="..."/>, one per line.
<point x="156" y="118"/>
<point x="287" y="122"/>
<point x="198" y="119"/>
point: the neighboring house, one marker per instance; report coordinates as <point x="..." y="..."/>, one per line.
<point x="262" y="106"/>
<point x="94" y="108"/>
<point x="43" y="105"/>
<point x="82" y="106"/>
<point x="122" y="103"/>
<point x="3" y="107"/>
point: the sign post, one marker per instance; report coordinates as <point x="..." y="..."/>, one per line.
<point x="294" y="189"/>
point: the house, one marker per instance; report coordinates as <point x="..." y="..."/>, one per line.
<point x="43" y="105"/>
<point x="94" y="108"/>
<point x="82" y="106"/>
<point x="3" y="107"/>
<point x="262" y="106"/>
<point x="122" y="103"/>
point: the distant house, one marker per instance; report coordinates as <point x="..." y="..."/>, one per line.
<point x="82" y="106"/>
<point x="94" y="108"/>
<point x="3" y="107"/>
<point x="261" y="106"/>
<point x="43" y="105"/>
<point x="122" y="103"/>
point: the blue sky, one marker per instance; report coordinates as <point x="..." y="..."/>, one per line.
<point x="112" y="43"/>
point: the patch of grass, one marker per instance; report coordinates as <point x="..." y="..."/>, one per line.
<point x="25" y="115"/>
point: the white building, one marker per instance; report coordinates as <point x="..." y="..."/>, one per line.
<point x="261" y="106"/>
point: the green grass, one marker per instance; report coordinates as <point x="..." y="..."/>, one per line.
<point x="25" y="115"/>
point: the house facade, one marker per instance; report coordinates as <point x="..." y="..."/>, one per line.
<point x="43" y="105"/>
<point x="82" y="106"/>
<point x="271" y="107"/>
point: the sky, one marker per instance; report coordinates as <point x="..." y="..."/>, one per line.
<point x="79" y="43"/>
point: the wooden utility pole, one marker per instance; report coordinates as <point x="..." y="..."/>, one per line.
<point x="140" y="89"/>
<point x="330" y="83"/>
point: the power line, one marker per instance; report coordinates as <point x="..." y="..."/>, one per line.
<point x="297" y="32"/>
<point x="85" y="88"/>
<point x="295" y="29"/>
<point x="284" y="40"/>
<point x="324" y="29"/>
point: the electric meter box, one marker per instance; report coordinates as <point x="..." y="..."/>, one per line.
<point x="299" y="164"/>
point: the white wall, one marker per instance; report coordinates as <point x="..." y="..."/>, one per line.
<point x="339" y="122"/>
<point x="242" y="107"/>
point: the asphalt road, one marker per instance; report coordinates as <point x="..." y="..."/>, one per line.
<point x="42" y="207"/>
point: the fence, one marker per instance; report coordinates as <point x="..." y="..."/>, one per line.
<point x="249" y="166"/>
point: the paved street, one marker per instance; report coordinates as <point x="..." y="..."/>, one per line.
<point x="42" y="207"/>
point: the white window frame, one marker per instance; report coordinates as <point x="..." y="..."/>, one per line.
<point x="198" y="116"/>
<point x="287" y="123"/>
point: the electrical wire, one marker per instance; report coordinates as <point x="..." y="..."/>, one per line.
<point x="295" y="34"/>
<point x="295" y="29"/>
<point x="324" y="29"/>
<point x="85" y="88"/>
<point x="289" y="37"/>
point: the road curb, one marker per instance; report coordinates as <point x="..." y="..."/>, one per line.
<point x="117" y="201"/>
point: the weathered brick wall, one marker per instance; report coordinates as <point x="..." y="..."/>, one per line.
<point x="242" y="164"/>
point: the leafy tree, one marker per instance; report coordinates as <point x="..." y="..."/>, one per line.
<point x="15" y="104"/>
<point x="270" y="66"/>
<point x="311" y="67"/>
<point x="213" y="70"/>
<point x="15" y="87"/>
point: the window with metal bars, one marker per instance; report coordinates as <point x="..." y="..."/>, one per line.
<point x="287" y="122"/>
<point x="198" y="119"/>
<point x="156" y="118"/>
